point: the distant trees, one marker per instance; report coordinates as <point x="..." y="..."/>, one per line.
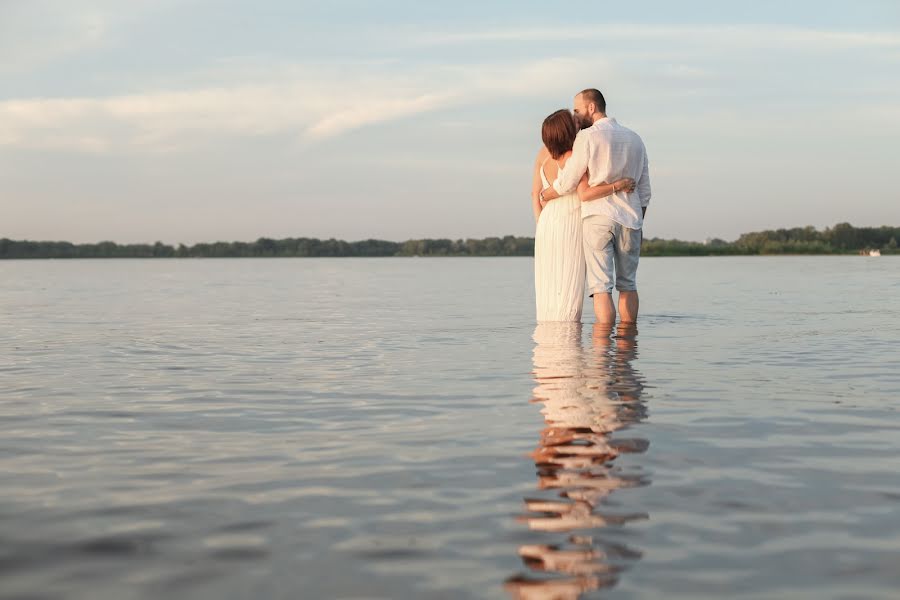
<point x="267" y="247"/>
<point x="661" y="247"/>
<point x="492" y="246"/>
<point x="843" y="238"/>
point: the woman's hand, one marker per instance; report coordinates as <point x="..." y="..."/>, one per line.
<point x="624" y="185"/>
<point x="595" y="192"/>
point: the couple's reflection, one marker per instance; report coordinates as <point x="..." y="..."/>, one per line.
<point x="585" y="395"/>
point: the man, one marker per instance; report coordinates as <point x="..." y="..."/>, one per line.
<point x="606" y="151"/>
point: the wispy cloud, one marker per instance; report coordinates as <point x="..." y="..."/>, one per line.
<point x="369" y="112"/>
<point x="24" y="46"/>
<point x="729" y="35"/>
<point x="309" y="101"/>
<point x="304" y="103"/>
<point x="36" y="33"/>
<point x="154" y="120"/>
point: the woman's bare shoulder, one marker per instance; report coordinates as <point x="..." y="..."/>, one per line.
<point x="542" y="155"/>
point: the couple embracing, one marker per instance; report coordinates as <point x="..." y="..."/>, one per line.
<point x="590" y="193"/>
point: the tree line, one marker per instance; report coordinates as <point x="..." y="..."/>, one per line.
<point x="843" y="238"/>
<point x="840" y="239"/>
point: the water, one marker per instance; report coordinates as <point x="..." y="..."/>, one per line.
<point x="397" y="428"/>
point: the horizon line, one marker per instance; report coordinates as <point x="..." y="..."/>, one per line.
<point x="412" y="239"/>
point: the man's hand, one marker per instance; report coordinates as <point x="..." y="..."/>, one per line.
<point x="548" y="194"/>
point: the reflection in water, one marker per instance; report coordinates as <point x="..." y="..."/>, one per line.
<point x="586" y="395"/>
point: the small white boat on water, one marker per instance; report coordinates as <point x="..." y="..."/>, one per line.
<point x="874" y="252"/>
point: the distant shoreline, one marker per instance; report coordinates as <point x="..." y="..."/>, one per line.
<point x="842" y="239"/>
<point x="416" y="256"/>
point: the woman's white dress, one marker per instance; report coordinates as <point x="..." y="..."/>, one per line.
<point x="559" y="267"/>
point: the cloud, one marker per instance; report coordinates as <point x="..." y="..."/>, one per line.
<point x="155" y="120"/>
<point x="245" y="96"/>
<point x="722" y="35"/>
<point x="38" y="32"/>
<point x="376" y="112"/>
<point x="28" y="39"/>
<point x="306" y="103"/>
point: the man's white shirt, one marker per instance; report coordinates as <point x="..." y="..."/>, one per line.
<point x="609" y="151"/>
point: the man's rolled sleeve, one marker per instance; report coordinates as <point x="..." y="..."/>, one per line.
<point x="576" y="166"/>
<point x="643" y="184"/>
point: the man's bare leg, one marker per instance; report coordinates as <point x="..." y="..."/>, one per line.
<point x="604" y="309"/>
<point x="628" y="306"/>
<point x="601" y="335"/>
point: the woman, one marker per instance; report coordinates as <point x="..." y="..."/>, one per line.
<point x="559" y="267"/>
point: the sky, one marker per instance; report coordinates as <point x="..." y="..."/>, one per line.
<point x="201" y="120"/>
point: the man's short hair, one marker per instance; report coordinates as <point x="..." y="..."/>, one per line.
<point x="591" y="95"/>
<point x="558" y="133"/>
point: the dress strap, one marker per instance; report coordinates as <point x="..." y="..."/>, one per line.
<point x="544" y="178"/>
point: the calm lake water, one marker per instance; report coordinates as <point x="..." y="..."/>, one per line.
<point x="399" y="428"/>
